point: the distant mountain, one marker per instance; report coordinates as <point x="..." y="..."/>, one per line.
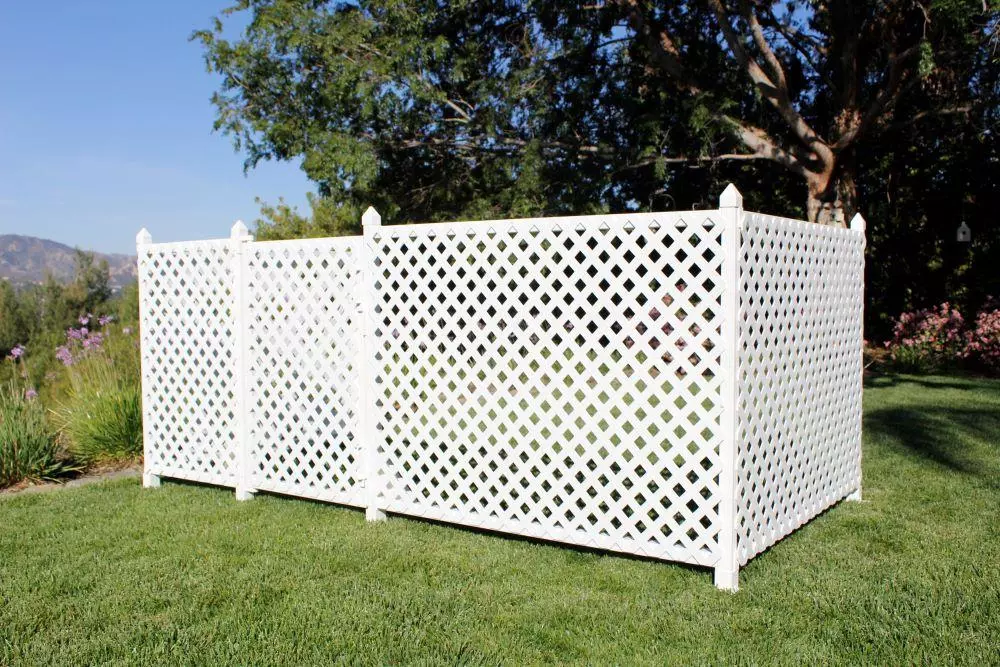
<point x="26" y="259"/>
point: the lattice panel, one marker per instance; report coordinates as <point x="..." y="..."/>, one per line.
<point x="556" y="378"/>
<point x="800" y="373"/>
<point x="189" y="358"/>
<point x="303" y="352"/>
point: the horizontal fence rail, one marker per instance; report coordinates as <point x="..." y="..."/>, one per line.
<point x="684" y="386"/>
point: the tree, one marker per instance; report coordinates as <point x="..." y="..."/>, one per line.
<point x="15" y="323"/>
<point x="435" y="109"/>
<point x="91" y="286"/>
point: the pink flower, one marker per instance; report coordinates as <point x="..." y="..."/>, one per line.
<point x="30" y="393"/>
<point x="64" y="355"/>
<point x="105" y="320"/>
<point x="17" y="352"/>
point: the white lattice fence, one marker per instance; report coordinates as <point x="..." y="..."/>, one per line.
<point x="684" y="386"/>
<point x="800" y="365"/>
<point x="555" y="378"/>
<point x="190" y="360"/>
<point x="303" y="352"/>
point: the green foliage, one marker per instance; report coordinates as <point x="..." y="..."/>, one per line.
<point x="100" y="416"/>
<point x="126" y="306"/>
<point x="448" y="111"/>
<point x="15" y="319"/>
<point x="27" y="449"/>
<point x="281" y="221"/>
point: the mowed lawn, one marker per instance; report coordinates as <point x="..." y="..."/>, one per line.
<point x="116" y="574"/>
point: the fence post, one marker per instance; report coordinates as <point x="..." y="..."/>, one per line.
<point x="858" y="224"/>
<point x="240" y="236"/>
<point x="149" y="480"/>
<point x="731" y="215"/>
<point x="370" y="223"/>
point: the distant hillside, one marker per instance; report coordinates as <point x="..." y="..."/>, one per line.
<point x="26" y="259"/>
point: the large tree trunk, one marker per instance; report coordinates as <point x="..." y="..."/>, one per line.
<point x="832" y="194"/>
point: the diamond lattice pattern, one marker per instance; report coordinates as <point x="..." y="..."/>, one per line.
<point x="189" y="358"/>
<point x="303" y="350"/>
<point x="555" y="379"/>
<point x="800" y="375"/>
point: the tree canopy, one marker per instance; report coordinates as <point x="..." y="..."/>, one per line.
<point x="448" y="110"/>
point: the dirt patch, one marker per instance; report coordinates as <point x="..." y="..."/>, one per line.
<point x="99" y="473"/>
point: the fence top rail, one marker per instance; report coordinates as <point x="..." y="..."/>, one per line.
<point x="828" y="231"/>
<point x="181" y="246"/>
<point x="707" y="217"/>
<point x="347" y="242"/>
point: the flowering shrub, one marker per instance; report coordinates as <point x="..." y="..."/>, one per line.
<point x="102" y="418"/>
<point x="982" y="345"/>
<point x="27" y="448"/>
<point x="81" y="341"/>
<point x="927" y="340"/>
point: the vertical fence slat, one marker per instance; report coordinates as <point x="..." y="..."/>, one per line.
<point x="368" y="404"/>
<point x="858" y="224"/>
<point x="240" y="237"/>
<point x="731" y="213"/>
<point x="149" y="479"/>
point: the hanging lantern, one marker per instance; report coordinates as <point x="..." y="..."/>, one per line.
<point x="964" y="234"/>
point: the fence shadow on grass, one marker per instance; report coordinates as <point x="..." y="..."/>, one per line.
<point x="959" y="439"/>
<point x="884" y="381"/>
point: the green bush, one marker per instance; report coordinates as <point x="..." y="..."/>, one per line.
<point x="100" y="417"/>
<point x="27" y="448"/>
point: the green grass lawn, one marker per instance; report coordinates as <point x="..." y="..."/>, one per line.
<point x="185" y="574"/>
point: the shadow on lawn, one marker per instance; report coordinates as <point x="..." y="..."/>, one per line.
<point x="880" y="381"/>
<point x="946" y="436"/>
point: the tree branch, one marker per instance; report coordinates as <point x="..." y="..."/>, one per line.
<point x="773" y="93"/>
<point x="662" y="46"/>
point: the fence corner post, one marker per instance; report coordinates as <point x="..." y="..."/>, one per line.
<point x="858" y="224"/>
<point x="239" y="236"/>
<point x="731" y="214"/>
<point x="150" y="480"/>
<point x="371" y="221"/>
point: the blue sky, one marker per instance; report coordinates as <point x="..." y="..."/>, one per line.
<point x="106" y="127"/>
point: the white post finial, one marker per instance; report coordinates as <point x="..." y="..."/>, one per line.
<point x="143" y="237"/>
<point x="731" y="198"/>
<point x="371" y="218"/>
<point x="239" y="231"/>
<point x="858" y="223"/>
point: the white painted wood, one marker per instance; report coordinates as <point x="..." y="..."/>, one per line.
<point x="731" y="215"/>
<point x="149" y="480"/>
<point x="800" y="374"/>
<point x="240" y="237"/>
<point x="559" y="379"/>
<point x="648" y="383"/>
<point x="367" y="309"/>
<point x="303" y="364"/>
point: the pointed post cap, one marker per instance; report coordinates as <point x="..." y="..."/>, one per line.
<point x="858" y="223"/>
<point x="371" y="218"/>
<point x="731" y="198"/>
<point x="239" y="231"/>
<point x="143" y="237"/>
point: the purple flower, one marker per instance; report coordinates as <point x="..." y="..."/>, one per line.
<point x="85" y="319"/>
<point x="105" y="320"/>
<point x="64" y="355"/>
<point x="30" y="393"/>
<point x="93" y="341"/>
<point x="75" y="334"/>
<point x="17" y="352"/>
